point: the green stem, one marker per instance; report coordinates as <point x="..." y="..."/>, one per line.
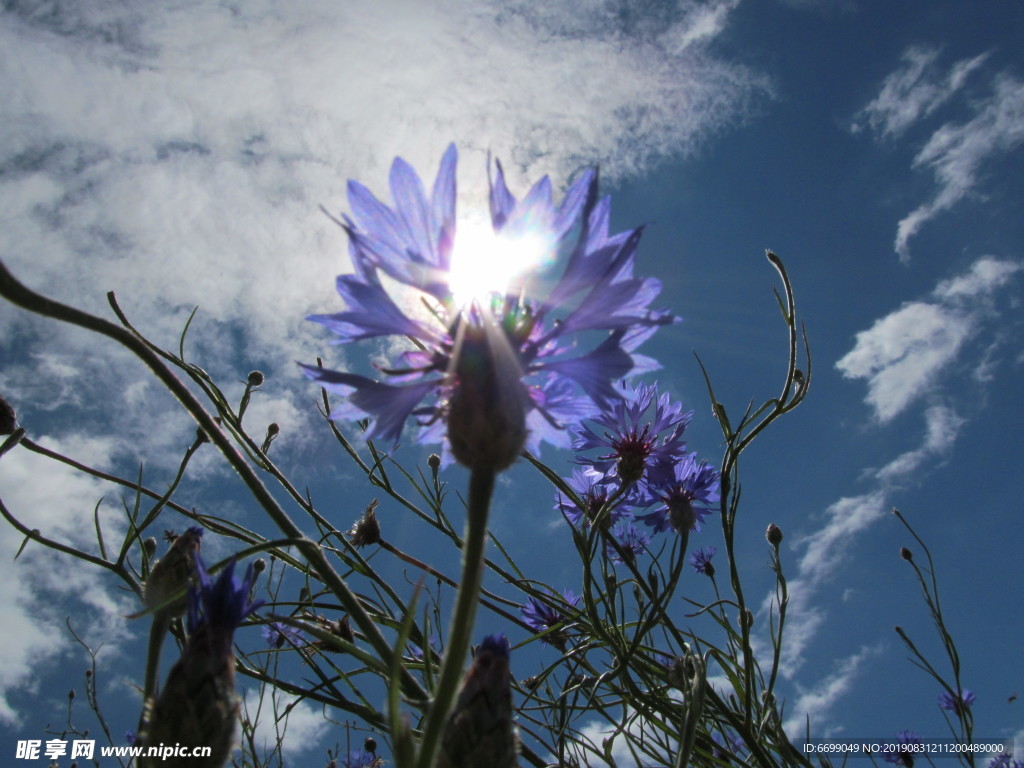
<point x="481" y="487"/>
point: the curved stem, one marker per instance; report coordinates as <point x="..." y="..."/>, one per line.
<point x="481" y="487"/>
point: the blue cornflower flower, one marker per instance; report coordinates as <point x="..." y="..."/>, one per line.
<point x="701" y="561"/>
<point x="1005" y="760"/>
<point x="902" y="755"/>
<point x="686" y="498"/>
<point x="953" y="704"/>
<point x="498" y="370"/>
<point x="198" y="704"/>
<point x="632" y="540"/>
<point x="594" y="493"/>
<point x="220" y="606"/>
<point x="278" y="634"/>
<point x="640" y="443"/>
<point x="360" y="758"/>
<point x="541" y="616"/>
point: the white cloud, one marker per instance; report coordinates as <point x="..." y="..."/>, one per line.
<point x="297" y="726"/>
<point x="914" y="91"/>
<point x="943" y="426"/>
<point x="986" y="274"/>
<point x="956" y="154"/>
<point x="43" y="587"/>
<point x="902" y="353"/>
<point x="817" y="701"/>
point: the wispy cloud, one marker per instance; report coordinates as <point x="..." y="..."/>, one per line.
<point x="820" y="699"/>
<point x="42" y="587"/>
<point x="914" y="91"/>
<point x="903" y="353"/>
<point x="956" y="154"/>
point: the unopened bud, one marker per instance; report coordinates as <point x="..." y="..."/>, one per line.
<point x="259" y="566"/>
<point x="150" y="545"/>
<point x="487" y="410"/>
<point x="71" y="695"/>
<point x="370" y="745"/>
<point x="434" y="462"/>
<point x="747" y="619"/>
<point x="273" y="429"/>
<point x="774" y="535"/>
<point x="906" y="554"/>
<point x="172" y="574"/>
<point x="256" y="379"/>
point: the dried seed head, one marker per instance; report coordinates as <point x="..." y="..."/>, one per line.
<point x="366" y="530"/>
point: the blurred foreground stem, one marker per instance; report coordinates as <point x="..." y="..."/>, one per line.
<point x="481" y="488"/>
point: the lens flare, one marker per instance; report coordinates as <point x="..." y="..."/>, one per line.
<point x="485" y="262"/>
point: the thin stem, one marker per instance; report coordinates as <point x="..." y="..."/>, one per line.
<point x="481" y="487"/>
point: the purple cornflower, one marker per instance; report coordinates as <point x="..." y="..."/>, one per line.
<point x="686" y="498"/>
<point x="278" y="634"/>
<point x="594" y="494"/>
<point x="218" y="607"/>
<point x="639" y="443"/>
<point x="632" y="540"/>
<point x="541" y="616"/>
<point x="701" y="561"/>
<point x="500" y="369"/>
<point x="903" y="755"/>
<point x="360" y="758"/>
<point x="198" y="703"/>
<point x="1005" y="760"/>
<point x="948" y="701"/>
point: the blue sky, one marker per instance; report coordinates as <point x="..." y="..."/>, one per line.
<point x="179" y="156"/>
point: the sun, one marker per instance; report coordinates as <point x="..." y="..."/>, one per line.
<point x="485" y="262"/>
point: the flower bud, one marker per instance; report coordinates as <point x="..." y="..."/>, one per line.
<point x="259" y="566"/>
<point x="906" y="554"/>
<point x="370" y="744"/>
<point x="256" y="379"/>
<point x="150" y="545"/>
<point x="486" y="412"/>
<point x="172" y="574"/>
<point x="480" y="730"/>
<point x="434" y="462"/>
<point x="774" y="535"/>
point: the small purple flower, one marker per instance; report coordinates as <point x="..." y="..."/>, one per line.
<point x="732" y="746"/>
<point x="541" y="616"/>
<point x="687" y="498"/>
<point x="953" y="704"/>
<point x="632" y="540"/>
<point x="594" y="494"/>
<point x="511" y="355"/>
<point x="903" y="755"/>
<point x="278" y="634"/>
<point x="220" y="605"/>
<point x="1005" y="760"/>
<point x="360" y="758"/>
<point x="701" y="561"/>
<point x="640" y="436"/>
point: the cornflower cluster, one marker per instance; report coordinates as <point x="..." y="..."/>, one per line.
<point x="635" y="468"/>
<point x="492" y="372"/>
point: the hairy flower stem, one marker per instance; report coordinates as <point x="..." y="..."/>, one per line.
<point x="481" y="487"/>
